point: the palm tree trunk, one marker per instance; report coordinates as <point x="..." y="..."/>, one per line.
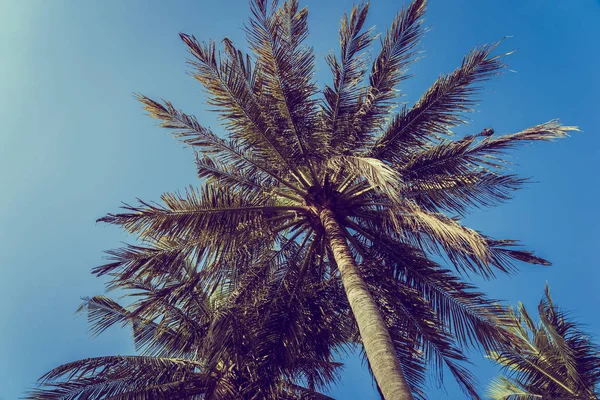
<point x="373" y="331"/>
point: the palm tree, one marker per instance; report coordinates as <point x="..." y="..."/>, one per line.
<point x="345" y="186"/>
<point x="197" y="346"/>
<point x="551" y="360"/>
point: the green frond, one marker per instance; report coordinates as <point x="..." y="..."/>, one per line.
<point x="470" y="156"/>
<point x="215" y="171"/>
<point x="209" y="211"/>
<point x="135" y="261"/>
<point x="189" y="131"/>
<point x="119" y="377"/>
<point x="235" y="91"/>
<point x="547" y="131"/>
<point x="553" y="359"/>
<point x="150" y="337"/>
<point x="439" y="108"/>
<point x="439" y="192"/>
<point x="398" y="51"/>
<point x="342" y="100"/>
<point x="468" y="250"/>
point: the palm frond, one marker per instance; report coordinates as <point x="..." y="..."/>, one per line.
<point x="468" y="250"/>
<point x="438" y="192"/>
<point x="502" y="388"/>
<point x="398" y="50"/>
<point x="342" y="100"/>
<point x="409" y="313"/>
<point x="376" y="174"/>
<point x="472" y="318"/>
<point x="133" y="261"/>
<point x="439" y="108"/>
<point x="232" y="86"/>
<point x="276" y="36"/>
<point x="471" y="156"/>
<point x="189" y="131"/>
<point x="119" y="377"/>
<point x="211" y="209"/>
<point x="150" y="337"/>
<point x="215" y="171"/>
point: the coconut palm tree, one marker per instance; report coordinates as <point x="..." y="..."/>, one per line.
<point x="199" y="346"/>
<point x="551" y="360"/>
<point x="344" y="185"/>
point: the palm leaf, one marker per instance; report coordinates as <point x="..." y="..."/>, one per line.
<point x="397" y="52"/>
<point x="439" y="108"/>
<point x="342" y="100"/>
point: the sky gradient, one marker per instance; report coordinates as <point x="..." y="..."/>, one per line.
<point x="74" y="144"/>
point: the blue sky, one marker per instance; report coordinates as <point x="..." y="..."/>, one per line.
<point x="74" y="144"/>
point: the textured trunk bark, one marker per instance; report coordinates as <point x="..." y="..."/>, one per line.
<point x="373" y="331"/>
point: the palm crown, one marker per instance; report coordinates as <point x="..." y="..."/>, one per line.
<point x="553" y="359"/>
<point x="197" y="345"/>
<point x="340" y="188"/>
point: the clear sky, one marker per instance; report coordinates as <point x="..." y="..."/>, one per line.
<point x="74" y="144"/>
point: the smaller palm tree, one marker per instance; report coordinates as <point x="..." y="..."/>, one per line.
<point x="195" y="345"/>
<point x="552" y="360"/>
